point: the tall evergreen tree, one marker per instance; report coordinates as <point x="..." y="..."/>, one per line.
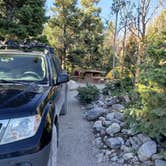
<point x="21" y="19"/>
<point x="62" y="29"/>
<point x="91" y="33"/>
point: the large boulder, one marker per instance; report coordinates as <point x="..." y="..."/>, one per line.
<point x="160" y="163"/>
<point x="113" y="128"/>
<point x="115" y="143"/>
<point x="146" y="151"/>
<point x="73" y="85"/>
<point x="94" y="113"/>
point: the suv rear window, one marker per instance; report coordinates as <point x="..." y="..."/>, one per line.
<point x="22" y="67"/>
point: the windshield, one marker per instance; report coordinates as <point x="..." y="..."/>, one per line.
<point x="22" y="67"/>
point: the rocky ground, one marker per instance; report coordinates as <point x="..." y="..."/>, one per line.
<point x="116" y="141"/>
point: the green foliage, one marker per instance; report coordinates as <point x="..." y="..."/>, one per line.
<point x="76" y="33"/>
<point x="88" y="94"/>
<point x="151" y="117"/>
<point x="118" y="87"/>
<point x="21" y="19"/>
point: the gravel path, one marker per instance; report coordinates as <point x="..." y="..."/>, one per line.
<point x="76" y="138"/>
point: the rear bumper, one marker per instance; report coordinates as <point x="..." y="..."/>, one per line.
<point x="36" y="159"/>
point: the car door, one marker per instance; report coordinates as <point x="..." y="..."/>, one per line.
<point x="57" y="89"/>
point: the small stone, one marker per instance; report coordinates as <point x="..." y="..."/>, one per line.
<point x="100" y="157"/>
<point x="135" y="142"/>
<point x="121" y="160"/>
<point x="119" y="116"/>
<point x="110" y="116"/>
<point x="114" y="159"/>
<point x="156" y="157"/>
<point x="98" y="125"/>
<point x="98" y="142"/>
<point x="107" y="123"/>
<point x="127" y="131"/>
<point x="128" y="156"/>
<point x="115" y="143"/>
<point x="146" y="151"/>
<point x="108" y="152"/>
<point x="100" y="103"/>
<point x="89" y="106"/>
<point x="102" y="132"/>
<point x="126" y="149"/>
<point x="126" y="99"/>
<point x="148" y="163"/>
<point x="117" y="107"/>
<point x="160" y="163"/>
<point x="102" y="118"/>
<point x="144" y="138"/>
<point x="113" y="100"/>
<point x="112" y="129"/>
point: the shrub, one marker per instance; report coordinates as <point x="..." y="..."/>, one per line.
<point x="88" y="94"/>
<point x="151" y="118"/>
<point x="117" y="87"/>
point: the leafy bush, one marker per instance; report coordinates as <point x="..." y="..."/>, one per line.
<point x="151" y="118"/>
<point x="117" y="87"/>
<point x="88" y="94"/>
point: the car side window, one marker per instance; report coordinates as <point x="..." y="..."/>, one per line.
<point x="54" y="72"/>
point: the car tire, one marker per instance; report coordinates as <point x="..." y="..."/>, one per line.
<point x="54" y="148"/>
<point x="64" y="109"/>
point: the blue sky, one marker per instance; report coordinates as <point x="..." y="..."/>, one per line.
<point x="105" y="6"/>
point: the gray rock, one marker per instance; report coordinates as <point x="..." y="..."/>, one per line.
<point x="119" y="116"/>
<point x="98" y="125"/>
<point x="107" y="123"/>
<point x="160" y="163"/>
<point x="146" y="151"/>
<point x="117" y="107"/>
<point x="126" y="99"/>
<point x="128" y="156"/>
<point x="115" y="143"/>
<point x="102" y="118"/>
<point x="100" y="157"/>
<point x="126" y="149"/>
<point x="113" y="100"/>
<point x="144" y="138"/>
<point x="114" y="159"/>
<point x="89" y="106"/>
<point x="115" y="115"/>
<point x="156" y="157"/>
<point x="98" y="142"/>
<point x="135" y="142"/>
<point x="110" y="116"/>
<point x="127" y="131"/>
<point x="102" y="132"/>
<point x="100" y="103"/>
<point x="121" y="161"/>
<point x="148" y="163"/>
<point x="94" y="113"/>
<point x="113" y="128"/>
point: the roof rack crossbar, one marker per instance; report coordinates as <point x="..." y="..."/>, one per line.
<point x="10" y="44"/>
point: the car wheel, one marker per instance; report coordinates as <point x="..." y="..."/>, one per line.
<point x="65" y="105"/>
<point x="54" y="148"/>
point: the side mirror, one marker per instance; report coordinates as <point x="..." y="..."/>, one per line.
<point x="62" y="78"/>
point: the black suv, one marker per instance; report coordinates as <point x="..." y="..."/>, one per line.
<point x="33" y="93"/>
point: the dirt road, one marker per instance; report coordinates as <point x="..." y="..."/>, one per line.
<point x="76" y="138"/>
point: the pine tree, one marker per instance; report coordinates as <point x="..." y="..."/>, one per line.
<point x="62" y="29"/>
<point x="21" y="19"/>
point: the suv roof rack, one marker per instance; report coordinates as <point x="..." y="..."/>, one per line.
<point x="26" y="46"/>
